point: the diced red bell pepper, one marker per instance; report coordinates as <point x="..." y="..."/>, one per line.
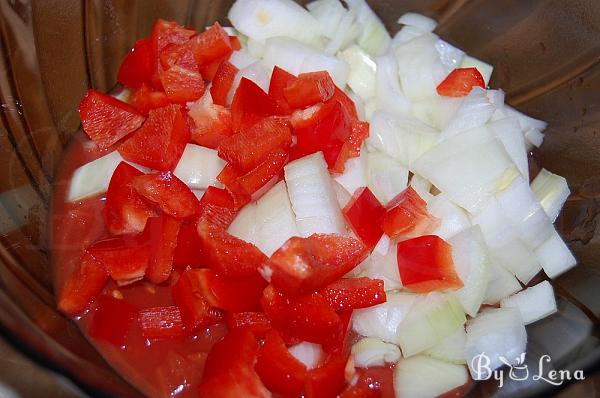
<point x="196" y="312"/>
<point x="136" y="68"/>
<point x="308" y="89"/>
<point x="188" y="251"/>
<point x="145" y="98"/>
<point x="228" y="255"/>
<point x="182" y="85"/>
<point x="124" y="209"/>
<point x="374" y="382"/>
<point x="168" y="192"/>
<point x="229" y="370"/>
<point x="160" y="142"/>
<point x="353" y="293"/>
<point x="163" y="34"/>
<point x="176" y="371"/>
<point x="249" y="148"/>
<point x="212" y="44"/>
<point x="112" y="320"/>
<point x="106" y="120"/>
<point x="257" y="322"/>
<point x="279" y="370"/>
<point x="236" y="45"/>
<point x="125" y="257"/>
<point x="344" y="345"/>
<point x="346" y="101"/>
<point x="161" y="233"/>
<point x="222" y="82"/>
<point x="308" y="318"/>
<point x="161" y="322"/>
<point x="328" y="380"/>
<point x="229" y="175"/>
<point x="83" y="285"/>
<point x="249" y="183"/>
<point x="363" y="213"/>
<point x="307" y="117"/>
<point x="425" y="264"/>
<point x="351" y="147"/>
<point x="280" y="79"/>
<point x="209" y="70"/>
<point x="304" y="265"/>
<point x="460" y="82"/>
<point x="212" y="123"/>
<point x="250" y="104"/>
<point x="407" y="217"/>
<point x="217" y="207"/>
<point x="178" y="54"/>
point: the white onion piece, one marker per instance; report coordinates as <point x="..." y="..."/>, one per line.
<point x="329" y="14"/>
<point x="385" y="176"/>
<point x="517" y="258"/>
<point x="471" y="262"/>
<point x="555" y="256"/>
<point x="422" y="186"/>
<point x="452" y="218"/>
<point x="355" y="173"/>
<point x="255" y="48"/>
<point x="497" y="333"/>
<point x="287" y="53"/>
<point x="526" y="122"/>
<point x="423" y="23"/>
<point x="255" y="72"/>
<point x="437" y="111"/>
<point x="508" y="131"/>
<point x="242" y="58"/>
<point x="374" y="37"/>
<point x="534" y="303"/>
<point x="262" y="19"/>
<point x="343" y="196"/>
<point x="534" y="138"/>
<point x="425" y="377"/>
<point x="383" y="245"/>
<point x="347" y="31"/>
<point x="388" y="94"/>
<point x="502" y="284"/>
<point x="431" y="318"/>
<point x="384" y="267"/>
<point x="552" y="191"/>
<point x="361" y="78"/>
<point x="483" y="68"/>
<point x="198" y="167"/>
<point x="198" y="193"/>
<point x="475" y="110"/>
<point x="338" y="69"/>
<point x="371" y="351"/>
<point x="496" y="97"/>
<point x="406" y="34"/>
<point x="244" y="224"/>
<point x="93" y="178"/>
<point x="450" y="56"/>
<point x="451" y="348"/>
<point x="310" y="354"/>
<point x="495" y="226"/>
<point x="312" y="196"/>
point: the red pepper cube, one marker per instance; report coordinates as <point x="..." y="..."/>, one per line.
<point x="83" y="285"/>
<point x="163" y="34"/>
<point x="195" y="310"/>
<point x="280" y="79"/>
<point x="407" y="217"/>
<point x="425" y="264"/>
<point x="249" y="148"/>
<point x="267" y="171"/>
<point x="136" y="68"/>
<point x="161" y="233"/>
<point x="181" y="55"/>
<point x="212" y="44"/>
<point x="188" y="251"/>
<point x="363" y="213"/>
<point x="112" y="320"/>
<point x="308" y="89"/>
<point x="304" y="265"/>
<point x="257" y="322"/>
<point x="145" y="98"/>
<point x="374" y="382"/>
<point x="328" y="380"/>
<point x="217" y="207"/>
<point x="182" y="85"/>
<point x="106" y="120"/>
<point x="351" y="147"/>
<point x="124" y="210"/>
<point x="160" y="142"/>
<point x="161" y="322"/>
<point x="341" y="97"/>
<point x="168" y="192"/>
<point x="250" y="104"/>
<point x="460" y="82"/>
<point x="125" y="257"/>
<point x="211" y="123"/>
<point x="354" y="293"/>
<point x="278" y="369"/>
<point x="222" y="82"/>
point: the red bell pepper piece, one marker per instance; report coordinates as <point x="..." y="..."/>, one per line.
<point x="163" y="34"/>
<point x="328" y="380"/>
<point x="257" y="322"/>
<point x="112" y="320"/>
<point x="188" y="251"/>
<point x="136" y="68"/>
<point x="279" y="370"/>
<point x="125" y="257"/>
<point x="83" y="285"/>
<point x="228" y="255"/>
<point x="407" y="217"/>
<point x="308" y="318"/>
<point x="236" y="45"/>
<point x="351" y="147"/>
<point x="181" y="55"/>
<point x="217" y="207"/>
<point x="425" y="264"/>
<point x="308" y="89"/>
<point x="250" y="104"/>
<point x="248" y="149"/>
<point x="229" y="370"/>
<point x="161" y="233"/>
<point x="229" y="175"/>
<point x="124" y="210"/>
<point x="161" y="322"/>
<point x="212" y="44"/>
<point x="222" y="82"/>
<point x="211" y="123"/>
<point x="182" y="85"/>
<point x="106" y="120"/>
<point x="159" y="143"/>
<point x="363" y="213"/>
<point x="249" y="183"/>
<point x="209" y="70"/>
<point x="460" y="82"/>
<point x="353" y="293"/>
<point x="304" y="265"/>
<point x="145" y="98"/>
<point x="341" y="97"/>
<point x="374" y="382"/>
<point x="196" y="312"/>
<point x="280" y="79"/>
<point x="168" y="192"/>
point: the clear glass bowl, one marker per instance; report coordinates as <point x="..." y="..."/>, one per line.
<point x="546" y="55"/>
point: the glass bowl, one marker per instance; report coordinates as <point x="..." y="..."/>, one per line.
<point x="546" y="55"/>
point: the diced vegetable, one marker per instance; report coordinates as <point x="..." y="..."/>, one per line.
<point x="228" y="294"/>
<point x="534" y="303"/>
<point x="362" y="214"/>
<point x="188" y="251"/>
<point x="195" y="310"/>
<point x="374" y="382"/>
<point x="502" y="284"/>
<point x="423" y="377"/>
<point x="309" y="354"/>
<point x="161" y="233"/>
<point x="508" y="131"/>
<point x="534" y="138"/>
<point x="384" y="267"/>
<point x="355" y="173"/>
<point x="112" y="320"/>
<point x="406" y="216"/>
<point x="452" y="219"/>
<point x="308" y="89"/>
<point x="327" y="380"/>
<point x="450" y="56"/>
<point x="136" y="68"/>
<point x="161" y="322"/>
<point x="222" y="82"/>
<point x="218" y="207"/>
<point x="93" y="178"/>
<point x="371" y="351"/>
<point x="198" y="167"/>
<point x="374" y="37"/>
<point x="554" y="256"/>
<point x="419" y="21"/>
<point x="353" y="293"/>
<point x="124" y="257"/>
<point x="385" y="176"/>
<point x="256" y="321"/>
<point x="460" y="82"/>
<point x="256" y="73"/>
<point x="451" y="348"/>
<point x="168" y="192"/>
<point x="552" y="191"/>
<point x="146" y="98"/>
<point x="388" y="94"/>
<point x="212" y="123"/>
<point x="250" y="104"/>
<point x="181" y="84"/>
<point x="362" y="71"/>
<point x="483" y="68"/>
<point x="474" y="111"/>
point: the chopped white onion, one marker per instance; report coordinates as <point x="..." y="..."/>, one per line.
<point x="517" y="258"/>
<point x="508" y="131"/>
<point x="355" y="173"/>
<point x="255" y="72"/>
<point x="343" y="196"/>
<point x="347" y="31"/>
<point x="388" y="94"/>
<point x="451" y="348"/>
<point x="422" y="186"/>
<point x="424" y="377"/>
<point x="255" y="48"/>
<point x="242" y="58"/>
<point x="374" y="37"/>
<point x="244" y="224"/>
<point x="93" y="178"/>
<point x="361" y="78"/>
<point x="198" y="167"/>
<point x="383" y="245"/>
<point x="384" y="267"/>
<point x="371" y="351"/>
<point x="437" y="111"/>
<point x="483" y="68"/>
<point x="475" y="110"/>
<point x="310" y="354"/>
<point x="385" y="176"/>
<point x="450" y="56"/>
<point x="534" y="303"/>
<point x="534" y="137"/>
<point x="552" y="191"/>
<point x="452" y="218"/>
<point x="554" y="256"/>
<point x="502" y="284"/>
<point x="526" y="122"/>
<point x="406" y="34"/>
<point x="329" y="14"/>
<point x="423" y="23"/>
